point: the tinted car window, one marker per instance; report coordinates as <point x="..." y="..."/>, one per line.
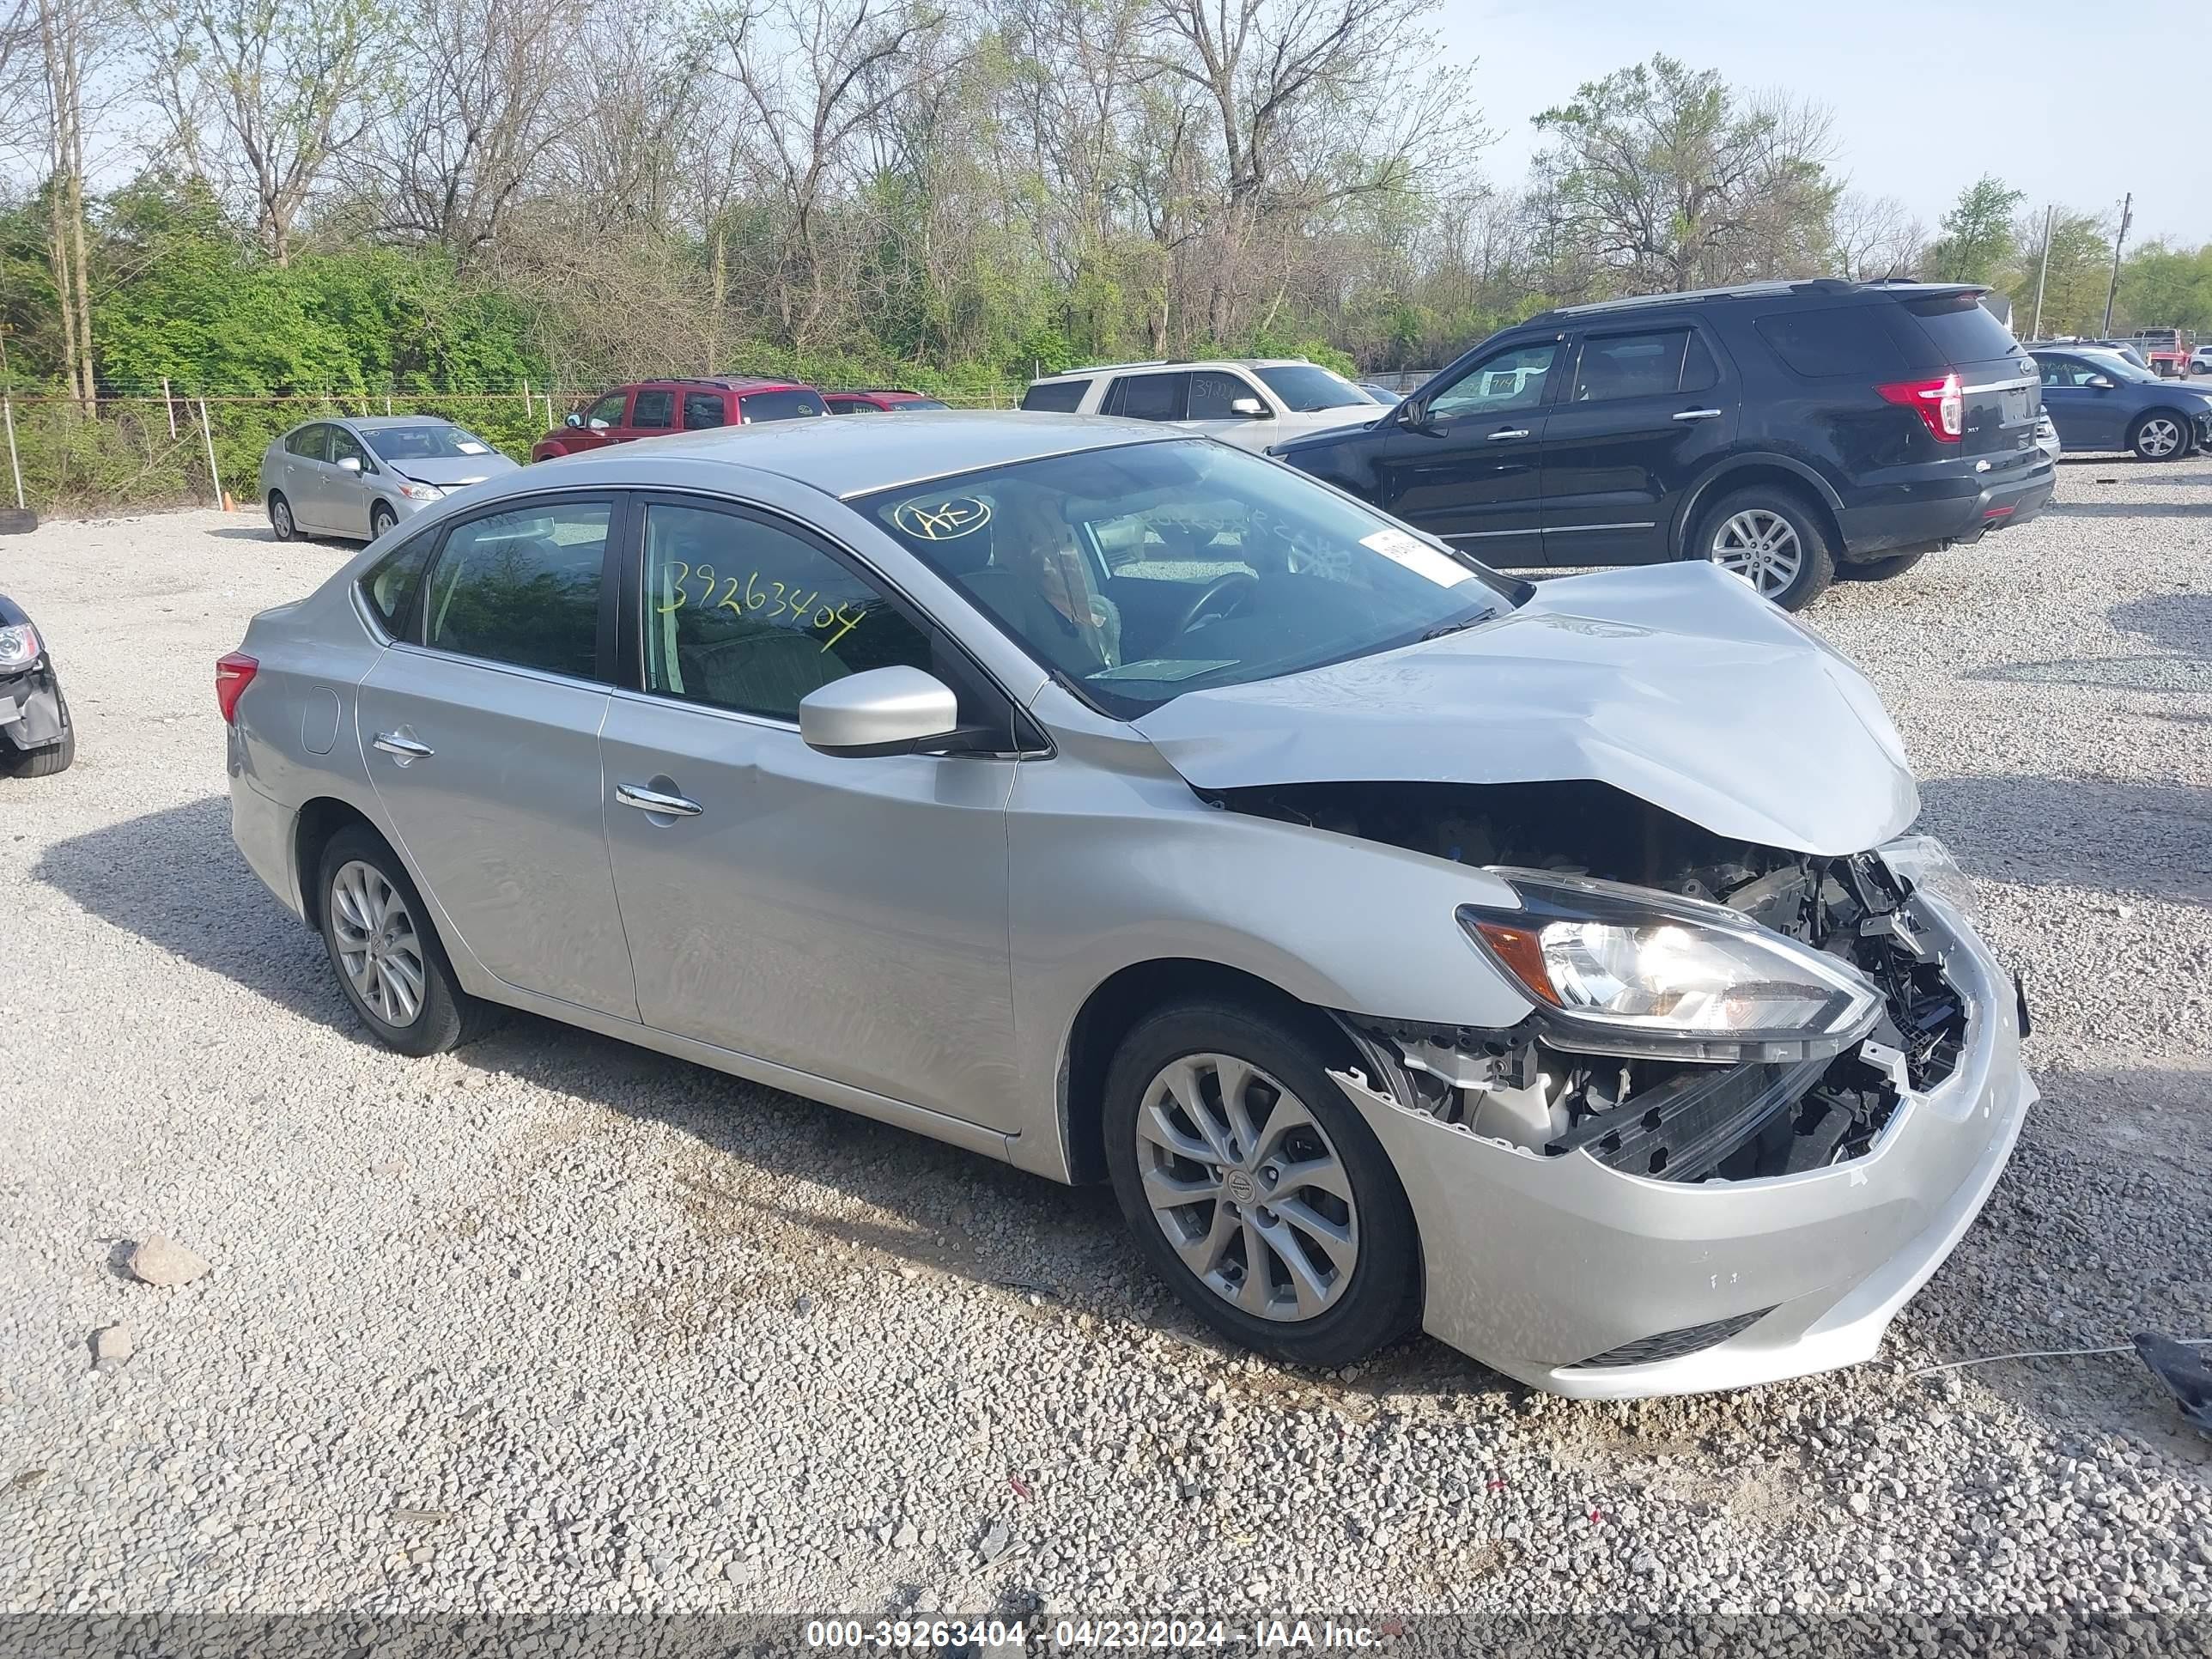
<point x="780" y="406"/>
<point x="608" y="411"/>
<point x="1212" y="392"/>
<point x="1700" y="371"/>
<point x="310" y="443"/>
<point x="1630" y="365"/>
<point x="1056" y="396"/>
<point x="853" y="406"/>
<point x="703" y="409"/>
<point x="390" y="584"/>
<point x="908" y="405"/>
<point x="1963" y="329"/>
<point x="522" y="586"/>
<point x="1148" y="397"/>
<point x="1508" y="380"/>
<point x="742" y="615"/>
<point x="1307" y="386"/>
<point x="1827" y="344"/>
<point x="653" y="408"/>
<point x="344" y="447"/>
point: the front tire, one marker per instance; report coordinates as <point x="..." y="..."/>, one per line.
<point x="2160" y="435"/>
<point x="1255" y="1189"/>
<point x="380" y="519"/>
<point x="389" y="960"/>
<point x="1771" y="539"/>
<point x="281" y="524"/>
<point x="53" y="757"/>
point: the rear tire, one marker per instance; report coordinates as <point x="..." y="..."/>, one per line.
<point x="386" y="951"/>
<point x="281" y="524"/>
<point x="1317" y="1271"/>
<point x="2161" y="435"/>
<point x="17" y="520"/>
<point x="1880" y="570"/>
<point x="1771" y="538"/>
<point x="45" y="761"/>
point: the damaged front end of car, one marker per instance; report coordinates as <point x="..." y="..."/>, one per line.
<point x="1756" y="1096"/>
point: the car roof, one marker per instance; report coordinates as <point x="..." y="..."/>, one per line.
<point x="842" y="459"/>
<point x="1819" y="288"/>
<point x="1173" y="363"/>
<point x="383" y="423"/>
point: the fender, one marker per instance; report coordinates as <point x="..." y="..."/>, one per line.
<point x="1749" y="460"/>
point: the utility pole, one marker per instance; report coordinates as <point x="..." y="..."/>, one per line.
<point x="2112" y="288"/>
<point x="2042" y="275"/>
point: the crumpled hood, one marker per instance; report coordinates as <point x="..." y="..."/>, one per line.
<point x="1674" y="682"/>
<point x="451" y="472"/>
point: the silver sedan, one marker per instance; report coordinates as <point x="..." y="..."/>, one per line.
<point x="1408" y="945"/>
<point x="359" y="477"/>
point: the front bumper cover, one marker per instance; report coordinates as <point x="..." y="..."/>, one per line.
<point x="1537" y="1266"/>
<point x="31" y="706"/>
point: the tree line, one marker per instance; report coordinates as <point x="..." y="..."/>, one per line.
<point x="271" y="197"/>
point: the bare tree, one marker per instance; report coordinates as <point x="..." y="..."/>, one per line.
<point x="1875" y="237"/>
<point x="62" y="39"/>
<point x="284" y="85"/>
<point x="479" y="79"/>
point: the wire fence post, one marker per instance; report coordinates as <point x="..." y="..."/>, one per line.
<point x="207" y="433"/>
<point x="526" y="404"/>
<point x="14" y="466"/>
<point x="169" y="407"/>
<point x="387" y="403"/>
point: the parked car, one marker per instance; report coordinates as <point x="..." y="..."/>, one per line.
<point x="2046" y="436"/>
<point x="1546" y="966"/>
<point x="891" y="401"/>
<point x="1381" y="394"/>
<point x="1250" y="402"/>
<point x="2121" y="348"/>
<point x="2200" y="361"/>
<point x="1780" y="429"/>
<point x="359" y="477"/>
<point x="652" y="409"/>
<point x="37" y="737"/>
<point x="2165" y="350"/>
<point x="2099" y="401"/>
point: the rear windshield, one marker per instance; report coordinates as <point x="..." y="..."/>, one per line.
<point x="1828" y="344"/>
<point x="1963" y="329"/>
<point x="1056" y="396"/>
<point x="779" y="406"/>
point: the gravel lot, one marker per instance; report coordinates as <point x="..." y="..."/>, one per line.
<point x="555" y="1324"/>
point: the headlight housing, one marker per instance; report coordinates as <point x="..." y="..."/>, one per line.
<point x="19" y="646"/>
<point x="420" y="492"/>
<point x="1627" y="970"/>
<point x="1925" y="865"/>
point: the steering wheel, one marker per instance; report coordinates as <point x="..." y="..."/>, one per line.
<point x="1239" y="582"/>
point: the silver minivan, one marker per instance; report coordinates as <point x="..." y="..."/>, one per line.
<point x="359" y="477"/>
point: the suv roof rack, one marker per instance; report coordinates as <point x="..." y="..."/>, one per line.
<point x="1738" y="291"/>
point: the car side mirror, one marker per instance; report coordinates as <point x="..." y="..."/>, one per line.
<point x="1251" y="408"/>
<point x="350" y="464"/>
<point x="572" y="418"/>
<point x="883" y="711"/>
<point x="1412" y="414"/>
<point x="2100" y="383"/>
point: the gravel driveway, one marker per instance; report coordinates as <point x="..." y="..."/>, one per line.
<point x="556" y="1324"/>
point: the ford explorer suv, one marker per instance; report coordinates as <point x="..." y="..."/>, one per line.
<point x="1789" y="432"/>
<point x="1250" y="402"/>
<point x="652" y="409"/>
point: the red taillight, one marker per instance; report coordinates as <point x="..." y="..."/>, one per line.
<point x="1941" y="405"/>
<point x="233" y="674"/>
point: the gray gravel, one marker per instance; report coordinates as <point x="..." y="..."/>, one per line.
<point x="554" y="1324"/>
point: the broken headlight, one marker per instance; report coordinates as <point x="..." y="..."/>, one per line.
<point x="1926" y="866"/>
<point x="1621" y="970"/>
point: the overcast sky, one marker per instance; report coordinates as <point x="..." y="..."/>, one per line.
<point x="1928" y="94"/>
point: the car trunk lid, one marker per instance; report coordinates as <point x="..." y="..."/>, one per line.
<point x="1999" y="384"/>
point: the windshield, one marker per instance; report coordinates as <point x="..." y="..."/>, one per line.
<point x="1306" y="388"/>
<point x="1139" y="573"/>
<point x="2119" y="367"/>
<point x="441" y="442"/>
<point x="919" y="403"/>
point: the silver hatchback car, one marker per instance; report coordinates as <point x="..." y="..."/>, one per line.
<point x="359" y="477"/>
<point x="1545" y="966"/>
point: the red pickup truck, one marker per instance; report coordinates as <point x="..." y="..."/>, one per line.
<point x="2166" y="349"/>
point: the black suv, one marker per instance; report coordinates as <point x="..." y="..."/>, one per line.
<point x="1785" y="430"/>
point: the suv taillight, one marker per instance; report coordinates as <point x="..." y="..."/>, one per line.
<point x="233" y="674"/>
<point x="1941" y="405"/>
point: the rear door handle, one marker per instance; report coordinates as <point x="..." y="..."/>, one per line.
<point x="1516" y="432"/>
<point x="391" y="742"/>
<point x="652" y="801"/>
<point x="1698" y="415"/>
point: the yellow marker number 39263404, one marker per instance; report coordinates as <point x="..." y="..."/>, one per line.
<point x="750" y="597"/>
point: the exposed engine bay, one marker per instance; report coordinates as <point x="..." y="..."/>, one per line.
<point x="1685" y="1121"/>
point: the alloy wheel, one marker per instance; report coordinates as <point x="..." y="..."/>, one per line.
<point x="1761" y="547"/>
<point x="2159" y="437"/>
<point x="379" y="949"/>
<point x="1247" y="1187"/>
<point x="280" y="516"/>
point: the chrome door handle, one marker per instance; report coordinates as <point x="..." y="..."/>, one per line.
<point x="1698" y="415"/>
<point x="405" y="748"/>
<point x="1517" y="432"/>
<point x="652" y="801"/>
